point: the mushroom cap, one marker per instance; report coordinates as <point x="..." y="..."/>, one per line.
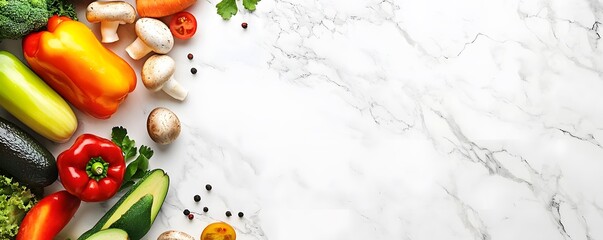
<point x="163" y="126"/>
<point x="155" y="34"/>
<point x="175" y="235"/>
<point x="156" y="71"/>
<point x="118" y="11"/>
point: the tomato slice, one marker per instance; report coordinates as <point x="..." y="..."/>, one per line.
<point x="183" y="25"/>
<point x="218" y="231"/>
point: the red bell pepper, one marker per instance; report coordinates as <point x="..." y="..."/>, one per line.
<point x="48" y="217"/>
<point x="92" y="169"/>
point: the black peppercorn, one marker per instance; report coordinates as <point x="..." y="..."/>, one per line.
<point x="193" y="70"/>
<point x="228" y="214"/>
<point x="208" y="187"/>
<point x="197" y="198"/>
<point x="241" y="214"/>
<point x="186" y="212"/>
<point x="205" y="209"/>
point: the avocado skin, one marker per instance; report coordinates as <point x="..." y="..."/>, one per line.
<point x="24" y="158"/>
<point x="137" y="220"/>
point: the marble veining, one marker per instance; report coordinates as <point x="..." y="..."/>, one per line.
<point x="381" y="119"/>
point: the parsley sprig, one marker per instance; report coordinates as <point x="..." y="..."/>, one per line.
<point x="136" y="169"/>
<point x="228" y="8"/>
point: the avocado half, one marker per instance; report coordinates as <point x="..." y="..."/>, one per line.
<point x="110" y="233"/>
<point x="136" y="210"/>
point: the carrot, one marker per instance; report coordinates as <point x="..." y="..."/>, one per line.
<point x="161" y="8"/>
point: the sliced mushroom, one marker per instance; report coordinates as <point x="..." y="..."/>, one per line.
<point x="158" y="73"/>
<point x="110" y="15"/>
<point x="175" y="235"/>
<point x="153" y="36"/>
<point x="163" y="126"/>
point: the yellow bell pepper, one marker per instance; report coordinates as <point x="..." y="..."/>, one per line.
<point x="74" y="63"/>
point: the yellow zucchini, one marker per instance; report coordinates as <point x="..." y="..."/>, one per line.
<point x="27" y="97"/>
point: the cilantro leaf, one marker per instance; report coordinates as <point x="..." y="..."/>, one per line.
<point x="146" y="152"/>
<point x="119" y="135"/>
<point x="250" y="4"/>
<point x="227" y="8"/>
<point x="143" y="161"/>
<point x="137" y="168"/>
<point x="130" y="170"/>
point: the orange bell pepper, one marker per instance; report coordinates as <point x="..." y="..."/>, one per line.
<point x="75" y="64"/>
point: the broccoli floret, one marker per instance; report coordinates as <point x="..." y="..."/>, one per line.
<point x="20" y="17"/>
<point x="15" y="201"/>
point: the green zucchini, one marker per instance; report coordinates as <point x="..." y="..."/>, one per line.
<point x="24" y="158"/>
<point x="27" y="97"/>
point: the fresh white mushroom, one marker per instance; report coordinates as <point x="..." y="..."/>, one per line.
<point x="153" y="36"/>
<point x="175" y="235"/>
<point x="110" y="15"/>
<point x="158" y="73"/>
<point x="163" y="126"/>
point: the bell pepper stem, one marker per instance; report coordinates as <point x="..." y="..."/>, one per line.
<point x="97" y="168"/>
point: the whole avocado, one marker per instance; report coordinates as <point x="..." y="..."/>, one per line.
<point x="20" y="17"/>
<point x="24" y="158"/>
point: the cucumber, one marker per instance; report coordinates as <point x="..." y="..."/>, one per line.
<point x="111" y="233"/>
<point x="24" y="158"/>
<point x="132" y="212"/>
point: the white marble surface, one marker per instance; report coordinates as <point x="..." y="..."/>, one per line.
<point x="381" y="119"/>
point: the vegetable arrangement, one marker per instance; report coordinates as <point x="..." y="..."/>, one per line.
<point x="70" y="65"/>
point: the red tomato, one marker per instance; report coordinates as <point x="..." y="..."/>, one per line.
<point x="183" y="25"/>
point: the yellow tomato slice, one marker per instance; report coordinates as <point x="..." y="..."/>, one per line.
<point x="218" y="231"/>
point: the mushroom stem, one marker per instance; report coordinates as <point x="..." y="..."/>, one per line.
<point x="138" y="49"/>
<point x="174" y="89"/>
<point x="109" y="31"/>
